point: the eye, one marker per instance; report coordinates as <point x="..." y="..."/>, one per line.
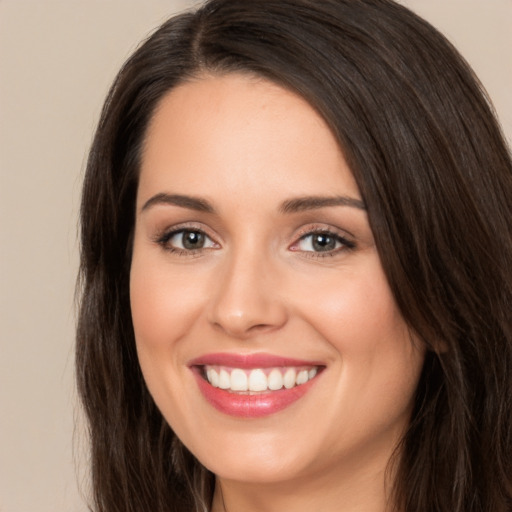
<point x="186" y="240"/>
<point x="322" y="242"/>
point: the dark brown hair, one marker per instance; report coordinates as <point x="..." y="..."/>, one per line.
<point x="436" y="175"/>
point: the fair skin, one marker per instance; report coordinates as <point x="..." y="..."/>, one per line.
<point x="230" y="259"/>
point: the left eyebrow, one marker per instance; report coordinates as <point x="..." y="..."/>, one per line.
<point x="190" y="202"/>
<point x="301" y="204"/>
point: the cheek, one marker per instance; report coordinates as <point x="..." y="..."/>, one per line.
<point x="354" y="312"/>
<point x="164" y="304"/>
<point x="373" y="351"/>
<point x="164" y="307"/>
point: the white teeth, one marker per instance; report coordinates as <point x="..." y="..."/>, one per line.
<point x="257" y="380"/>
<point x="224" y="379"/>
<point x="238" y="380"/>
<point x="213" y="377"/>
<point x="275" y="380"/>
<point x="289" y="378"/>
<point x="302" y="377"/>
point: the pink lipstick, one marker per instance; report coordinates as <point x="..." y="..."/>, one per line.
<point x="255" y="385"/>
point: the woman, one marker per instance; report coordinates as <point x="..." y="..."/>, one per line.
<point x="295" y="280"/>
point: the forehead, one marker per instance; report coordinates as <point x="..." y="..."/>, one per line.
<point x="236" y="131"/>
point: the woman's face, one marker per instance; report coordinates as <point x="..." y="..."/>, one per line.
<point x="265" y="328"/>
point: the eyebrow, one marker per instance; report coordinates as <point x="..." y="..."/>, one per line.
<point x="301" y="204"/>
<point x="295" y="205"/>
<point x="190" y="202"/>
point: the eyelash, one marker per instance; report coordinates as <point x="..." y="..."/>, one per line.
<point x="346" y="245"/>
<point x="164" y="239"/>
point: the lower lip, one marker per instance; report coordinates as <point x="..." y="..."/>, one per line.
<point x="251" y="406"/>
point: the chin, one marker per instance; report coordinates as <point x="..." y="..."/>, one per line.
<point x="263" y="457"/>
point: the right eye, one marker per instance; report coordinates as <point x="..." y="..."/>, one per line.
<point x="186" y="241"/>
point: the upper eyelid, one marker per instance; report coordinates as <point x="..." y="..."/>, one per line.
<point x="163" y="240"/>
<point x="173" y="232"/>
<point x="342" y="236"/>
<point x="185" y="226"/>
<point x="313" y="228"/>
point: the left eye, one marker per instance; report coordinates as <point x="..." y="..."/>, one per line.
<point x="189" y="240"/>
<point x="320" y="242"/>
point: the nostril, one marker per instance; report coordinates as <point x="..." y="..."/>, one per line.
<point x="261" y="327"/>
<point x="245" y="304"/>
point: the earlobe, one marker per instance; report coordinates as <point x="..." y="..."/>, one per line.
<point x="440" y="347"/>
<point x="437" y="346"/>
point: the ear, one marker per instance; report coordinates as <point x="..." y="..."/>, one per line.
<point x="437" y="346"/>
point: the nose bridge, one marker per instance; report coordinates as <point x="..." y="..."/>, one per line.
<point x="245" y="301"/>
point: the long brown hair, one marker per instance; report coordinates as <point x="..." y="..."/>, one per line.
<point x="434" y="170"/>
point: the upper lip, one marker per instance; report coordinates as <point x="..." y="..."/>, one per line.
<point x="249" y="361"/>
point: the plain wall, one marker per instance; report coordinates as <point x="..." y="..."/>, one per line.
<point x="57" y="59"/>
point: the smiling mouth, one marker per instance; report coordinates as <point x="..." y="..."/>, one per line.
<point x="257" y="380"/>
<point x="253" y="385"/>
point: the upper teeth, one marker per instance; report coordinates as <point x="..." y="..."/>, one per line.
<point x="236" y="379"/>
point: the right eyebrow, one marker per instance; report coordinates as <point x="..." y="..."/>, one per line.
<point x="190" y="202"/>
<point x="300" y="204"/>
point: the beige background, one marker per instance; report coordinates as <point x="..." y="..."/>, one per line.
<point x="57" y="59"/>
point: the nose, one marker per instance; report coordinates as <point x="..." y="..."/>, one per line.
<point x="246" y="300"/>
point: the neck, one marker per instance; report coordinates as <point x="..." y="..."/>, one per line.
<point x="359" y="489"/>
